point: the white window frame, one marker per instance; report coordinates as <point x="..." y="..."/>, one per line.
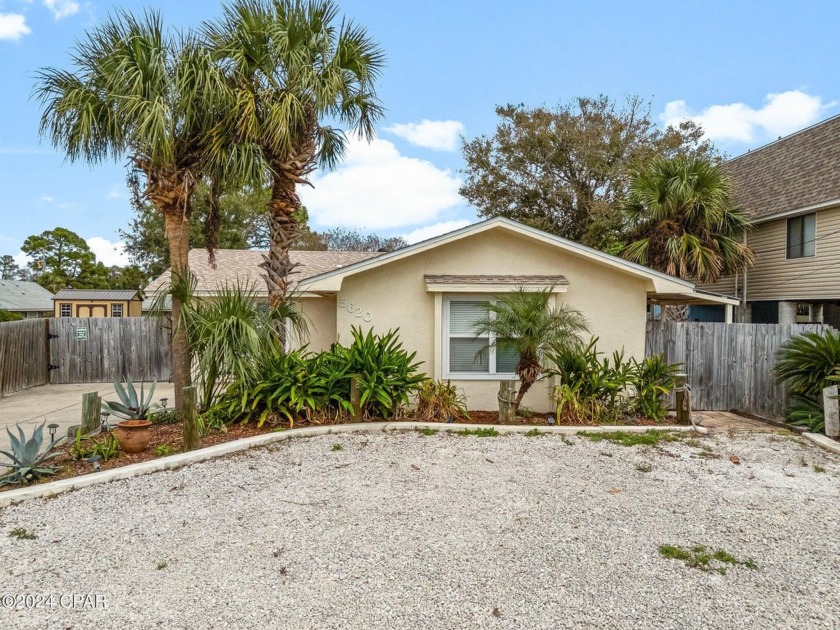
<point x="468" y="376"/>
<point x="122" y="310"/>
<point x="61" y="309"/>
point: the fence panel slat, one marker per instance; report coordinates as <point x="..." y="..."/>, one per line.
<point x="729" y="366"/>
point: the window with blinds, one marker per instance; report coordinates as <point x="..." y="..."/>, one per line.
<point x="471" y="354"/>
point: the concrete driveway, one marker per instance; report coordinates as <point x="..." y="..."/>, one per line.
<point x="61" y="404"/>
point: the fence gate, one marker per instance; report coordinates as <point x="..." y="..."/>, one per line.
<point x="101" y="349"/>
<point x="729" y="366"/>
<point x="24" y="354"/>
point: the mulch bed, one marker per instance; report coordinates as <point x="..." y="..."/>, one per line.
<point x="171" y="435"/>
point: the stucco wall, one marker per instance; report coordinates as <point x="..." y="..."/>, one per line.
<point x="395" y="296"/>
<point x="319" y="314"/>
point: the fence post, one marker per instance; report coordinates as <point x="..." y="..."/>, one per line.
<point x="91" y="411"/>
<point x="356" y="399"/>
<point x="682" y="399"/>
<point x="831" y="405"/>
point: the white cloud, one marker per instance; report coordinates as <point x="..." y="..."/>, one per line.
<point x="118" y="191"/>
<point x="108" y="253"/>
<point x="430" y="231"/>
<point x="780" y="115"/>
<point x="441" y="135"/>
<point x="22" y="260"/>
<point x="62" y="8"/>
<point x="47" y="199"/>
<point x="377" y="188"/>
<point x="13" y="26"/>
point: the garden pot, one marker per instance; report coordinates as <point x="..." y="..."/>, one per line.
<point x="133" y="435"/>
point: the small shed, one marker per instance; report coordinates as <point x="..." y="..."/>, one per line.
<point x="98" y="303"/>
<point x="27" y="299"/>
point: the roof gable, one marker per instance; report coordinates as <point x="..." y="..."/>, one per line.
<point x="797" y="172"/>
<point x="331" y="281"/>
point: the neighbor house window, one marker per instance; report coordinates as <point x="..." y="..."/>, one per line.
<point x="801" y="236"/>
<point x="66" y="310"/>
<point x="469" y="354"/>
<point x="116" y="310"/>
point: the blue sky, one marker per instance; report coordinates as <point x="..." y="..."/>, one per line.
<point x="748" y="70"/>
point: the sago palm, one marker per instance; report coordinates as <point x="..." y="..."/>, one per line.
<point x="135" y="91"/>
<point x="525" y="321"/>
<point x="685" y="222"/>
<point x="291" y="71"/>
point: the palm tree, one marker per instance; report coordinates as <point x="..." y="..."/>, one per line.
<point x="685" y="222"/>
<point x="138" y="92"/>
<point x="524" y="321"/>
<point x="289" y="68"/>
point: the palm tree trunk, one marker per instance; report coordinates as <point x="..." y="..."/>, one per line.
<point x="178" y="235"/>
<point x="283" y="231"/>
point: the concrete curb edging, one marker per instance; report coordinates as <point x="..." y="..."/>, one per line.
<point x="823" y="442"/>
<point x="13" y="497"/>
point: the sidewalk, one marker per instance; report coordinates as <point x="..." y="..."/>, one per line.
<point x="61" y="404"/>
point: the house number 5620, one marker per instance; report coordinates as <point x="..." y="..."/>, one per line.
<point x="355" y="309"/>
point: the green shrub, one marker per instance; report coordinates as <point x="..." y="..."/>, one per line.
<point x="596" y="389"/>
<point x="653" y="379"/>
<point x="437" y="400"/>
<point x="299" y="384"/>
<point x="591" y="389"/>
<point x="807" y="364"/>
<point x="6" y="316"/>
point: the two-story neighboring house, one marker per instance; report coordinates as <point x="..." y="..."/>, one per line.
<point x="791" y="188"/>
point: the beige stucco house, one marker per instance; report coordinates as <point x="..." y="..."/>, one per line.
<point x="434" y="290"/>
<point x="791" y="188"/>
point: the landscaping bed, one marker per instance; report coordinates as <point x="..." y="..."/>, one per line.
<point x="167" y="439"/>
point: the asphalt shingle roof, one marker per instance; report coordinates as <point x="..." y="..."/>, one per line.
<point x="96" y="294"/>
<point x="20" y="295"/>
<point x="243" y="266"/>
<point x="800" y="170"/>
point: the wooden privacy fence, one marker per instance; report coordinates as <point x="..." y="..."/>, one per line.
<point x="729" y="366"/>
<point x="24" y="354"/>
<point x="82" y="350"/>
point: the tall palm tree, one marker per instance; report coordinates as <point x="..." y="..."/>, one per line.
<point x="524" y="321"/>
<point x="135" y="91"/>
<point x="290" y="68"/>
<point x="685" y="222"/>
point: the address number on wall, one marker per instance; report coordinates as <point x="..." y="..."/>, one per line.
<point x="355" y="309"/>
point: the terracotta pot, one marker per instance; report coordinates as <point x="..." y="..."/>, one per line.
<point x="133" y="435"/>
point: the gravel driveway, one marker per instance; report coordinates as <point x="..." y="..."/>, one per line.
<point x="412" y="531"/>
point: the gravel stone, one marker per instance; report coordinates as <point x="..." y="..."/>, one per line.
<point x="399" y="530"/>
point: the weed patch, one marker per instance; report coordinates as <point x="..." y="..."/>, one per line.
<point x="625" y="438"/>
<point x="700" y="557"/>
<point x="427" y="431"/>
<point x="337" y="447"/>
<point x="21" y="534"/>
<point x="818" y="468"/>
<point x="478" y="432"/>
<point x="533" y="433"/>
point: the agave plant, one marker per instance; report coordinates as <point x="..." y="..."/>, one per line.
<point x="131" y="406"/>
<point x="26" y="459"/>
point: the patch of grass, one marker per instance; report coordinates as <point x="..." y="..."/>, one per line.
<point x="700" y="557"/>
<point x="625" y="438"/>
<point x="162" y="565"/>
<point x="163" y="450"/>
<point x="818" y="468"/>
<point x="478" y="432"/>
<point x="337" y="447"/>
<point x="21" y="534"/>
<point x="533" y="433"/>
<point x="644" y="467"/>
<point x="427" y="431"/>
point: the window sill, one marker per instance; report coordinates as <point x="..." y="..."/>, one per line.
<point x="478" y="376"/>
